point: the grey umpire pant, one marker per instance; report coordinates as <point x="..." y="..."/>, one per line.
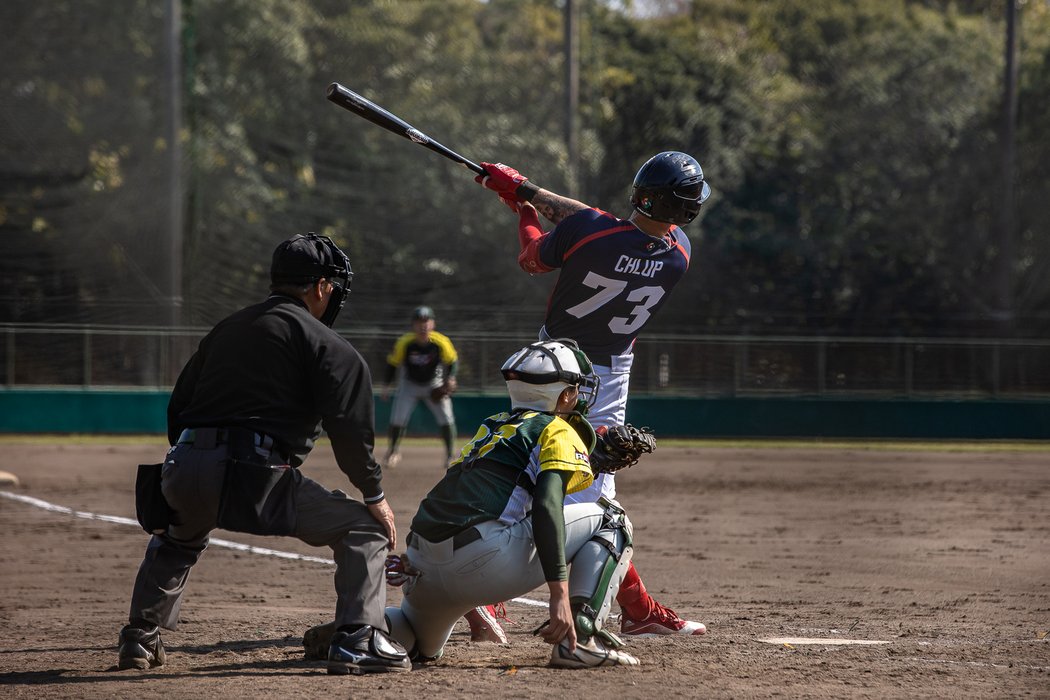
<point x="192" y="484"/>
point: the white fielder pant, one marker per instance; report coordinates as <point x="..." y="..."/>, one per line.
<point x="502" y="565"/>
<point x="409" y="393"/>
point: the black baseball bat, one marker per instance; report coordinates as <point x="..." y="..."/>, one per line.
<point x="348" y="99"/>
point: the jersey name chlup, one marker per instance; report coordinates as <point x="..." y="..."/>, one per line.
<point x="637" y="266"/>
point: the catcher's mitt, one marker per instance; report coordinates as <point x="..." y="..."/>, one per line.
<point x="446" y="388"/>
<point x="619" y="447"/>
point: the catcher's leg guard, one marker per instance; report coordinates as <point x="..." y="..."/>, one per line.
<point x="596" y="573"/>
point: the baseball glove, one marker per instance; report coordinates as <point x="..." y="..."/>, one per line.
<point x="619" y="447"/>
<point x="446" y="388"/>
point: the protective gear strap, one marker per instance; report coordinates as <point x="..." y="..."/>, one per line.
<point x="590" y="614"/>
<point x="584" y="429"/>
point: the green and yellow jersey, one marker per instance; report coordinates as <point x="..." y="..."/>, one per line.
<point x="494" y="476"/>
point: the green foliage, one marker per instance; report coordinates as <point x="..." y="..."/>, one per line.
<point x="853" y="149"/>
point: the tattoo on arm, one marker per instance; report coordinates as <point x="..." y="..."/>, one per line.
<point x="554" y="207"/>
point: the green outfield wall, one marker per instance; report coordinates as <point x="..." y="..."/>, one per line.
<point x="128" y="411"/>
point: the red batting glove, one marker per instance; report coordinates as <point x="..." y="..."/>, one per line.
<point x="511" y="201"/>
<point x="501" y="179"/>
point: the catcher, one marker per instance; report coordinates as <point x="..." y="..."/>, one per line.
<point x="424" y="363"/>
<point x="496" y="526"/>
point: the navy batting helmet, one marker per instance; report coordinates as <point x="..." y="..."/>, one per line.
<point x="670" y="187"/>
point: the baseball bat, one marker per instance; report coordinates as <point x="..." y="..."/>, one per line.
<point x="350" y="100"/>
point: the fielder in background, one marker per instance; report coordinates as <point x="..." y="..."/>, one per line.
<point x="424" y="363"/>
<point x="243" y="416"/>
<point x="615" y="275"/>
<point x="496" y="526"/>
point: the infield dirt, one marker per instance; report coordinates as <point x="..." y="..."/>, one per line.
<point x="943" y="553"/>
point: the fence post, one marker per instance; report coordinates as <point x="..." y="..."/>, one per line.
<point x="740" y="357"/>
<point x="86" y="357"/>
<point x="822" y="367"/>
<point x="909" y="367"/>
<point x="995" y="368"/>
<point x="9" y="369"/>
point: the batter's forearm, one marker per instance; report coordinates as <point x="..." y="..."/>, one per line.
<point x="555" y="207"/>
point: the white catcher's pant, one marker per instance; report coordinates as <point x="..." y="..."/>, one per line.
<point x="609" y="409"/>
<point x="500" y="566"/>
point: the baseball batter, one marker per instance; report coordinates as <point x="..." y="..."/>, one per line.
<point x="615" y="275"/>
<point x="496" y="527"/>
<point x="424" y="363"/>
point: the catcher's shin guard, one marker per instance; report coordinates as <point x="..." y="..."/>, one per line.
<point x="596" y="573"/>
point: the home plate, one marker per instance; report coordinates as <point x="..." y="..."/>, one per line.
<point x="795" y="641"/>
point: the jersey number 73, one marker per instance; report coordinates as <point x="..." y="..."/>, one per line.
<point x="644" y="299"/>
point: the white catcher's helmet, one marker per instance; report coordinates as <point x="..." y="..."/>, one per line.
<point x="537" y="374"/>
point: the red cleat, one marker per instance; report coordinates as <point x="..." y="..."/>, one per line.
<point x="485" y="626"/>
<point x="658" y="622"/>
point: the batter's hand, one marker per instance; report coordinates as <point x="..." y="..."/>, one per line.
<point x="501" y="179"/>
<point x="512" y="202"/>
<point x="381" y="512"/>
<point x="561" y="625"/>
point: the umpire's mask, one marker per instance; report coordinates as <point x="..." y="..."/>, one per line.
<point x="304" y="259"/>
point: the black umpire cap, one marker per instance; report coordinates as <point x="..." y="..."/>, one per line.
<point x="305" y="258"/>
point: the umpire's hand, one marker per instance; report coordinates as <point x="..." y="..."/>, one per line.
<point x="381" y="512"/>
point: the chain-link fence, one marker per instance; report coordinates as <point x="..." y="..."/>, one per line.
<point x="113" y="356"/>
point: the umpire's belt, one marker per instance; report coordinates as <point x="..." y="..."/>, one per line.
<point x="460" y="539"/>
<point x="238" y="438"/>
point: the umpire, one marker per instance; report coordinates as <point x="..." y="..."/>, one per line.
<point x="243" y="416"/>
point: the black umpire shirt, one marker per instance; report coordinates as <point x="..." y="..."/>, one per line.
<point x="275" y="369"/>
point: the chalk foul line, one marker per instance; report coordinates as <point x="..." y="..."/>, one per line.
<point x="214" y="541"/>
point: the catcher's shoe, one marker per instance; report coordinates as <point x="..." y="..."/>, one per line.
<point x="367" y="650"/>
<point x="485" y="626"/>
<point x="658" y="622"/>
<point x="592" y="654"/>
<point x="140" y="648"/>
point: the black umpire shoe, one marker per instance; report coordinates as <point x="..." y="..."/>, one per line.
<point x="140" y="648"/>
<point x="367" y="650"/>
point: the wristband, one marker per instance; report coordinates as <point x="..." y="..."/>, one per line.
<point x="526" y="191"/>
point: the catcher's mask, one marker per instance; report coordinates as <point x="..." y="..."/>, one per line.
<point x="537" y="374"/>
<point x="304" y="259"/>
<point x="670" y="187"/>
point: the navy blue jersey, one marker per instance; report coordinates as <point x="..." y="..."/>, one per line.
<point x="613" y="279"/>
